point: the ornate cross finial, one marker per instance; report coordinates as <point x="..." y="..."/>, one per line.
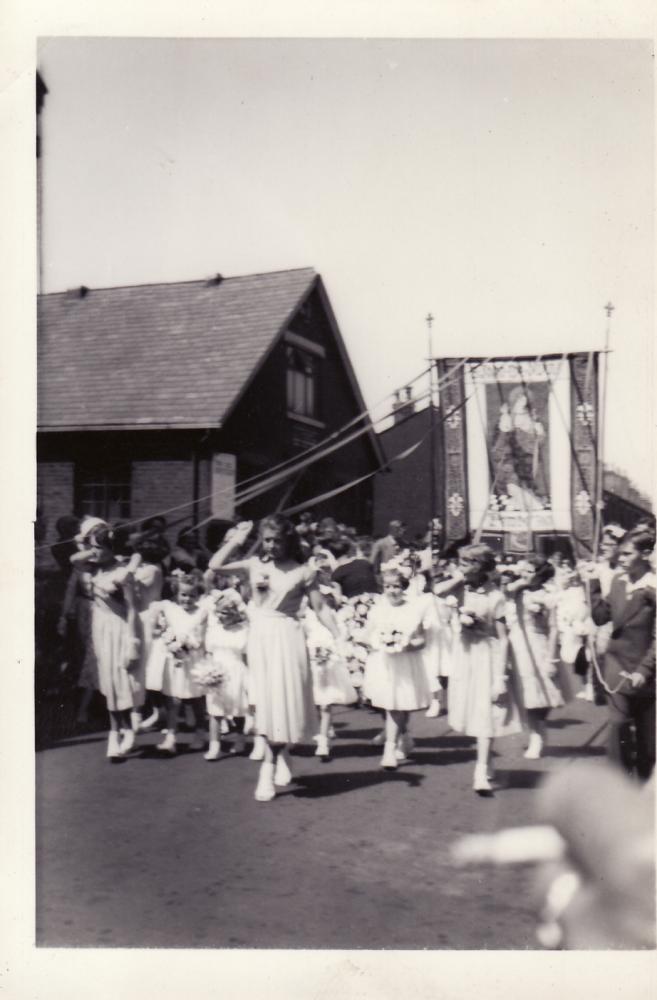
<point x="429" y="320"/>
<point x="609" y="308"/>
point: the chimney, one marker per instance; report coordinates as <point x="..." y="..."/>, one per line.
<point x="403" y="407"/>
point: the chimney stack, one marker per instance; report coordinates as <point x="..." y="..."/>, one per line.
<point x="403" y="408"/>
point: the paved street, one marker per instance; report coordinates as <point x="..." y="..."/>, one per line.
<point x="176" y="853"/>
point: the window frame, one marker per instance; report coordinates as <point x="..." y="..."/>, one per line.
<point x="103" y="489"/>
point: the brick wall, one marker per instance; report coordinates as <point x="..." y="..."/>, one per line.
<point x="404" y="491"/>
<point x="159" y="485"/>
<point x="54" y="499"/>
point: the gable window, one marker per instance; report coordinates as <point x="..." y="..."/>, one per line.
<point x="103" y="490"/>
<point x="302" y="373"/>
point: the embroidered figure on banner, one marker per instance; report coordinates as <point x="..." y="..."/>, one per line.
<point x="518" y="451"/>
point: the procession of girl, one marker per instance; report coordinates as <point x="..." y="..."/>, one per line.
<point x="266" y="642"/>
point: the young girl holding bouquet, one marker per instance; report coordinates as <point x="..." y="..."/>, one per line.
<point x="178" y="645"/>
<point x="480" y="703"/>
<point x="114" y="634"/>
<point x="224" y="676"/>
<point x="531" y="621"/>
<point x="395" y="675"/>
<point x="331" y="681"/>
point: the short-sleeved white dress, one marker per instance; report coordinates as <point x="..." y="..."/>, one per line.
<point x="396" y="681"/>
<point x="540" y="684"/>
<point x="227" y="647"/>
<point x="113" y="642"/>
<point x="476" y="663"/>
<point x="280" y="682"/>
<point x="331" y="678"/>
<point x="175" y="671"/>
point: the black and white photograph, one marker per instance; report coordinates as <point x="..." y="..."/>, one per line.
<point x="343" y="525"/>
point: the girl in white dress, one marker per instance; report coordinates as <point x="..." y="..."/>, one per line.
<point x="481" y="704"/>
<point x="279" y="671"/>
<point x="573" y="622"/>
<point x="395" y="675"/>
<point x="176" y="648"/>
<point x="226" y="636"/>
<point x="114" y="634"/>
<point x="447" y="612"/>
<point x="148" y="589"/>
<point x="331" y="678"/>
<point x="544" y="683"/>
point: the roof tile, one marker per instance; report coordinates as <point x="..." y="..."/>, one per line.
<point x="169" y="354"/>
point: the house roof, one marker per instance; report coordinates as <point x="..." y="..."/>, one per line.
<point x="159" y="356"/>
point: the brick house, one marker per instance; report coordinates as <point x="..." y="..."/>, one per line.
<point x="153" y="396"/>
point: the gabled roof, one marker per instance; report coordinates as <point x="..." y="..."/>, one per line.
<point x="164" y="355"/>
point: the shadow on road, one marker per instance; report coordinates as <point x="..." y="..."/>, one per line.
<point x="444" y="756"/>
<point x="519" y="778"/>
<point x="341" y="782"/>
<point x="578" y="752"/>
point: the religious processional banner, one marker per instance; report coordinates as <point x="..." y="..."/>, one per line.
<point x="520" y="447"/>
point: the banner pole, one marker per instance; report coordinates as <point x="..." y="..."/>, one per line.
<point x="432" y="425"/>
<point x="602" y="412"/>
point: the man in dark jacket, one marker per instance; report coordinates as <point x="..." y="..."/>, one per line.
<point x="629" y="662"/>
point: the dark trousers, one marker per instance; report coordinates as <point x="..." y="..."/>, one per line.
<point x="632" y="736"/>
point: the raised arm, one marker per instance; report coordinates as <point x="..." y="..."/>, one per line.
<point x="443" y="587"/>
<point x="234" y="540"/>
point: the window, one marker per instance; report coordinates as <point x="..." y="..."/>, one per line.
<point x="104" y="491"/>
<point x="302" y="370"/>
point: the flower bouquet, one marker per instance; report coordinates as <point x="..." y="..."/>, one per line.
<point x="319" y="653"/>
<point x="208" y="675"/>
<point x="390" y="640"/>
<point x="228" y="606"/>
<point x="472" y="625"/>
<point x="178" y="646"/>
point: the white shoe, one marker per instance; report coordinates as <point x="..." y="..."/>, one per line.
<point x="238" y="744"/>
<point x="323" y="748"/>
<point x="168" y="744"/>
<point x="535" y="747"/>
<point x="389" y="759"/>
<point x="282" y="773"/>
<point x="258" y="751"/>
<point x="198" y="740"/>
<point x="113" y="746"/>
<point x="127" y="741"/>
<point x="481" y="782"/>
<point x="586" y="694"/>
<point x="379" y="739"/>
<point x="265" y="790"/>
<point x="135" y="721"/>
<point x="433" y="710"/>
<point x="214" y="750"/>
